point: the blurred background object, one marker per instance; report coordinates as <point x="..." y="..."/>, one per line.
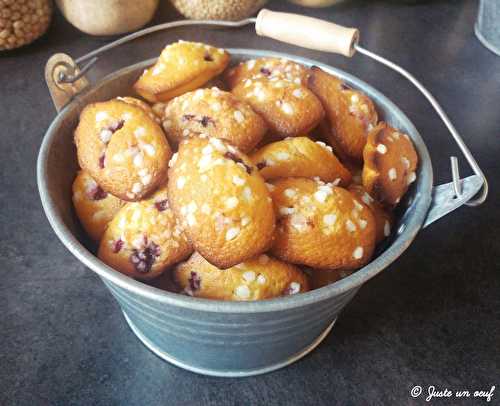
<point x="487" y="27"/>
<point x="23" y="21"/>
<point x="217" y="9"/>
<point x="315" y="3"/>
<point x="108" y="17"/>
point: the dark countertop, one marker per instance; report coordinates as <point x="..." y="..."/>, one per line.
<point x="432" y="318"/>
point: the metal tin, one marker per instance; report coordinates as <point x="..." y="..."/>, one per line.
<point x="231" y="339"/>
<point x="487" y="27"/>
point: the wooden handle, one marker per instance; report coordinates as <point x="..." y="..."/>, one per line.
<point x="307" y="32"/>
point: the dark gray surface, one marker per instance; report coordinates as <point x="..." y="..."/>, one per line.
<point x="433" y="318"/>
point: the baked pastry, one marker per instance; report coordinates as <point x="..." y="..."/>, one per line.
<point x="141" y="104"/>
<point x="325" y="205"/>
<point x="320" y="225"/>
<point x="259" y="278"/>
<point x="267" y="68"/>
<point x="289" y="109"/>
<point x="159" y="107"/>
<point x="390" y="162"/>
<point x="94" y="207"/>
<point x="181" y="67"/>
<point x="122" y="148"/>
<point x="384" y="218"/>
<point x="302" y="157"/>
<point x="144" y="238"/>
<point x="350" y="113"/>
<point x="221" y="201"/>
<point x="215" y="113"/>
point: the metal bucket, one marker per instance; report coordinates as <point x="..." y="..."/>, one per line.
<point x="232" y="339"/>
<point x="487" y="27"/>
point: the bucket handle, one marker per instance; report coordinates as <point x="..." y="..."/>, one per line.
<point x="65" y="80"/>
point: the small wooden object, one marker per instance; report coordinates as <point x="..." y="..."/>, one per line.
<point x="307" y="32"/>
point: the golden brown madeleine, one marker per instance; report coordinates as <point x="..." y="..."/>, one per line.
<point x="350" y="113"/>
<point x="144" y="238"/>
<point x="141" y="104"/>
<point x="390" y="164"/>
<point x="215" y="113"/>
<point x="122" y="148"/>
<point x="321" y="226"/>
<point x="259" y="278"/>
<point x="267" y="68"/>
<point x="181" y="67"/>
<point x="94" y="207"/>
<point x="384" y="218"/>
<point x="300" y="157"/>
<point x="221" y="200"/>
<point x="288" y="109"/>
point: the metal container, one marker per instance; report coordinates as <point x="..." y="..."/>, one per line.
<point x="487" y="26"/>
<point x="232" y="339"/>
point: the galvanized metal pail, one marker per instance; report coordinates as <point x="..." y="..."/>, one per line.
<point x="487" y="26"/>
<point x="231" y="338"/>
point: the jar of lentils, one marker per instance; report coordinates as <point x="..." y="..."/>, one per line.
<point x="23" y="21"/>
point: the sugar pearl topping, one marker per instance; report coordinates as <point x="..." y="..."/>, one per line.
<point x="350" y="226"/>
<point x="242" y="292"/>
<point x="181" y="181"/>
<point x="358" y="206"/>
<point x="406" y="162"/>
<point x="329" y="219"/>
<point x="411" y="177"/>
<point x="249" y="276"/>
<point x="298" y="93"/>
<point x="367" y="199"/>
<point x="136" y="188"/>
<point x="285" y="211"/>
<point x="357" y="253"/>
<point x="105" y="135"/>
<point x="320" y="196"/>
<point x="101" y="115"/>
<point x="392" y="174"/>
<point x="238" y="181"/>
<point x="287" y="108"/>
<point x="232" y="233"/>
<point x="294" y="288"/>
<point x="282" y="156"/>
<point x="238" y="116"/>
<point x="231" y="202"/>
